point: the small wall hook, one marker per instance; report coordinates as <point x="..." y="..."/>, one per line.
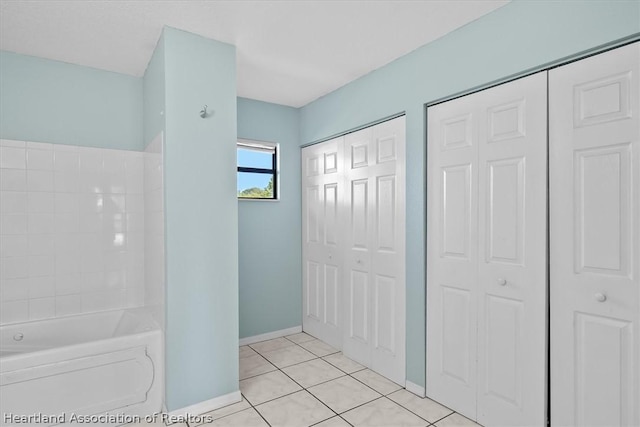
<point x="203" y="112"/>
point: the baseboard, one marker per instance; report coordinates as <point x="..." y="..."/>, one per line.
<point x="416" y="389"/>
<point x="207" y="405"/>
<point x="270" y="335"/>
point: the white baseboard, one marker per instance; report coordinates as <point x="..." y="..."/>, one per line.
<point x="415" y="389"/>
<point x="207" y="405"/>
<point x="270" y="335"/>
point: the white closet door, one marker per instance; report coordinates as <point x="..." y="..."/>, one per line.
<point x="595" y="240"/>
<point x="486" y="255"/>
<point x="374" y="257"/>
<point x="512" y="253"/>
<point x="452" y="254"/>
<point x="322" y="241"/>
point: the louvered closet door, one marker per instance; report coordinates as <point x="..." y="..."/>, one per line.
<point x="486" y="255"/>
<point x="374" y="294"/>
<point x="595" y="240"/>
<point x="322" y="241"/>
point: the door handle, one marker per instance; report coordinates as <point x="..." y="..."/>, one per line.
<point x="600" y="297"/>
<point x="502" y="282"/>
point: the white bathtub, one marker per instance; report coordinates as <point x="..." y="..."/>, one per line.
<point x="110" y="362"/>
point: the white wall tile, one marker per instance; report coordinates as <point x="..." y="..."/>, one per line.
<point x="13" y="158"/>
<point x="73" y="228"/>
<point x="14" y="290"/>
<point x="40" y="145"/>
<point x="42" y="308"/>
<point x="13" y="223"/>
<point x="11" y="143"/>
<point x="40" y="202"/>
<point x="40" y="287"/>
<point x="67" y="305"/>
<point x="39" y="180"/>
<point x="14" y="245"/>
<point x="14" y="268"/>
<point x="13" y="179"/>
<point x="13" y="202"/>
<point x="67" y="161"/>
<point x="41" y="223"/>
<point x="14" y="311"/>
<point x="41" y="244"/>
<point x="67" y="284"/>
<point x="39" y="159"/>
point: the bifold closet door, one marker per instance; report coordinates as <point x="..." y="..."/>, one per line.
<point x="322" y="252"/>
<point x="486" y="253"/>
<point x="595" y="240"/>
<point x="374" y="291"/>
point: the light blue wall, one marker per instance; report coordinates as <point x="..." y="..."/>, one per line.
<point x="154" y="94"/>
<point x="50" y="101"/>
<point x="201" y="219"/>
<point x="270" y="232"/>
<point x="521" y="36"/>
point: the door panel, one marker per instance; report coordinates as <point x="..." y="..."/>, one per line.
<point x="595" y="240"/>
<point x="486" y="268"/>
<point x="375" y="197"/>
<point x="322" y="247"/>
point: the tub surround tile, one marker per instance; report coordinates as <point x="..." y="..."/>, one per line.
<point x="39" y="159"/>
<point x="267" y="387"/>
<point x="343" y="363"/>
<point x="422" y="406"/>
<point x="343" y="394"/>
<point x="288" y="356"/>
<point x="318" y="347"/>
<point x="376" y="381"/>
<point x="13" y="202"/>
<point x="11" y="143"/>
<point x="297" y="409"/>
<point x="299" y="337"/>
<point x="269" y="345"/>
<point x="13" y="179"/>
<point x="14" y="311"/>
<point x="254" y="365"/>
<point x="13" y="157"/>
<point x="14" y="245"/>
<point x="313" y="372"/>
<point x="383" y="412"/>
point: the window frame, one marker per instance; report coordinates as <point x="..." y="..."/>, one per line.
<point x="273" y="171"/>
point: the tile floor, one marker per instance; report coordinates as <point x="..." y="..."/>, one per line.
<point x="300" y="381"/>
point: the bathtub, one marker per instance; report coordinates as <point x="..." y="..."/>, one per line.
<point x="63" y="370"/>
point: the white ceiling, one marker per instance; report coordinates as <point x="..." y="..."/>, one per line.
<point x="288" y="52"/>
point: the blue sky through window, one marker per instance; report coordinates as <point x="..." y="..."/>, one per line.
<point x="253" y="159"/>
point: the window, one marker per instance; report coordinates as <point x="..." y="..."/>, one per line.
<point x="257" y="170"/>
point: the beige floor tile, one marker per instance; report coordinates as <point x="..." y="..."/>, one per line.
<point x="267" y="386"/>
<point x="456" y="420"/>
<point x="269" y="345"/>
<point x="246" y="418"/>
<point x="333" y="422"/>
<point x="246" y="351"/>
<point x="343" y="393"/>
<point x="288" y="356"/>
<point x="343" y="363"/>
<point x="299" y="409"/>
<point x="376" y="381"/>
<point x="300" y="338"/>
<point x="383" y="412"/>
<point x="313" y="372"/>
<point x="423" y="406"/>
<point x="319" y="348"/>
<point x="254" y="365"/>
<point x="210" y="416"/>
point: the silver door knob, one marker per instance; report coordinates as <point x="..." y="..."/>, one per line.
<point x="601" y="297"/>
<point x="502" y="282"/>
<point x="330" y="256"/>
<point x="359" y="261"/>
